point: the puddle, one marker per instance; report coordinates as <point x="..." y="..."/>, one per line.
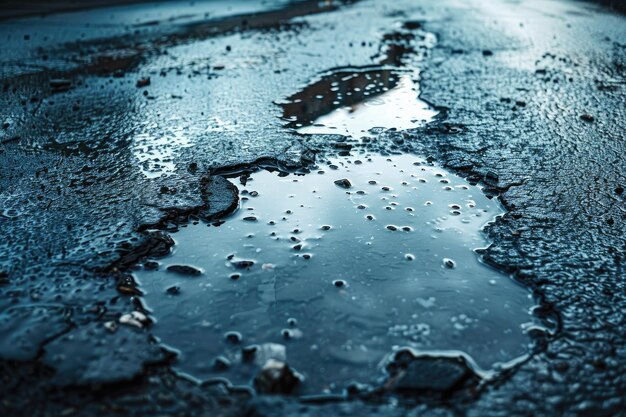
<point x="358" y="103"/>
<point x="339" y="273"/>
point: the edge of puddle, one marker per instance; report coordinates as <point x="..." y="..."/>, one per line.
<point x="186" y="215"/>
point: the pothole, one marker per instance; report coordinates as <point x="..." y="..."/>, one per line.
<point x="358" y="102"/>
<point x="333" y="270"/>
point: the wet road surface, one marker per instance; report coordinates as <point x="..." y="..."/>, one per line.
<point x="126" y="131"/>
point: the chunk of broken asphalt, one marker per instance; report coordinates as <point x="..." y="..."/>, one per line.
<point x="343" y="183"/>
<point x="184" y="270"/>
<point x="276" y="377"/>
<point x="410" y="373"/>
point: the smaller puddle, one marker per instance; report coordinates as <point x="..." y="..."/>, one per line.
<point x="335" y="269"/>
<point x="358" y="103"/>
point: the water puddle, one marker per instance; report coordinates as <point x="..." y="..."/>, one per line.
<point x="358" y="103"/>
<point x="333" y="270"/>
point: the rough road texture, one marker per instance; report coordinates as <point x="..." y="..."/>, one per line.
<point x="532" y="98"/>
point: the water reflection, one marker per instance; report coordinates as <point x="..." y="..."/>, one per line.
<point x="350" y="103"/>
<point x="340" y="267"/>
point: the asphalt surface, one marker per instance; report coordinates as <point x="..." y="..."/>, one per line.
<point x="531" y="99"/>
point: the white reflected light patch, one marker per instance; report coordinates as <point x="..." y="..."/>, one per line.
<point x="155" y="150"/>
<point x="399" y="108"/>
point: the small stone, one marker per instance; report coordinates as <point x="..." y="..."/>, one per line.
<point x="343" y="183"/>
<point x="342" y="145"/>
<point x="184" y="270"/>
<point x="491" y="177"/>
<point x="449" y="263"/>
<point x="135" y="318"/>
<point x="248" y="353"/>
<point x="151" y="265"/>
<point x="242" y="264"/>
<point x="276" y="377"/>
<point x="410" y="374"/>
<point x="111" y="326"/>
<point x="173" y="290"/>
<point x="143" y="82"/>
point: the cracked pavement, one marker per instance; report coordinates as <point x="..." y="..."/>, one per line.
<point x="531" y="99"/>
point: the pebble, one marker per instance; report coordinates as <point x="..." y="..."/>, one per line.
<point x="449" y="263"/>
<point x="173" y="290"/>
<point x="184" y="270"/>
<point x="143" y="82"/>
<point x="343" y="183"/>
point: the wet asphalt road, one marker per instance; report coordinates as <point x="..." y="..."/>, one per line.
<point x="531" y="99"/>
